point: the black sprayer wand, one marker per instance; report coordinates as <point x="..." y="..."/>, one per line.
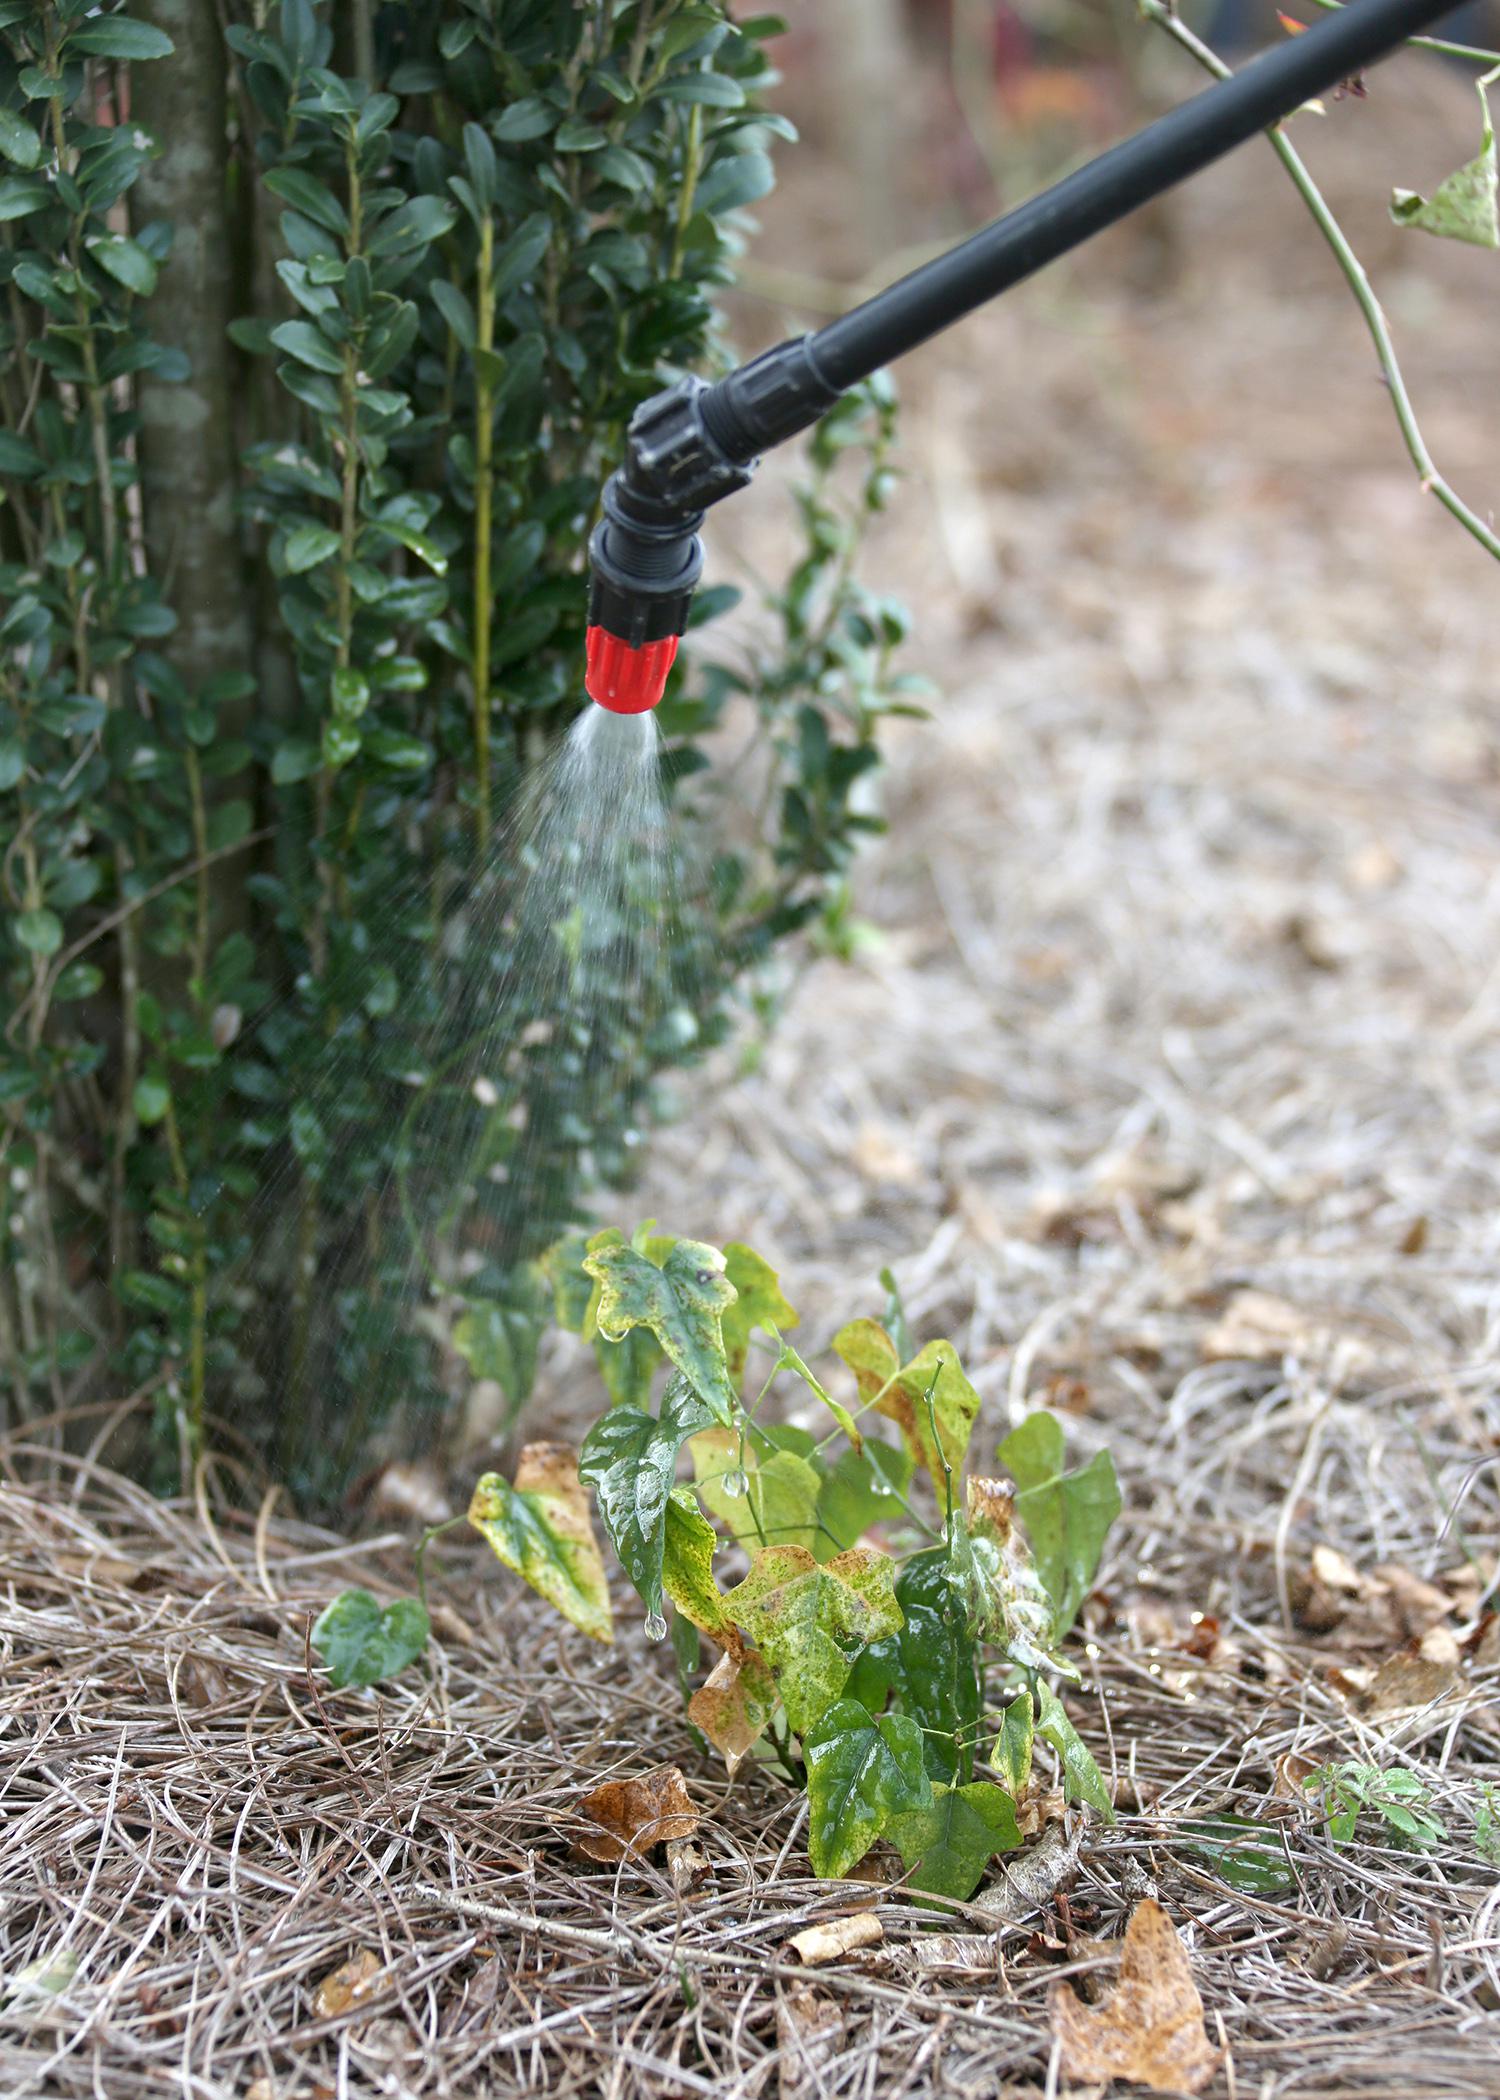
<point x="694" y="443"/>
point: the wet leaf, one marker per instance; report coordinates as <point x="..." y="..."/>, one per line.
<point x="809" y="1619"/>
<point x="862" y="1773"/>
<point x="938" y="1676"/>
<point x="758" y="1303"/>
<point x="682" y="1303"/>
<point x="1066" y="1516"/>
<point x="630" y="1460"/>
<point x="541" y="1529"/>
<point x="778" y="1505"/>
<point x="1149" y="2030"/>
<point x="1010" y="1758"/>
<point x="689" y="1542"/>
<point x="344" y="1987"/>
<point x="734" y="1705"/>
<point x="362" y="1643"/>
<point x="864" y="1488"/>
<point x="634" y="1814"/>
<point x="1463" y="207"/>
<point x="946" y="1848"/>
<point x="1082" y="1779"/>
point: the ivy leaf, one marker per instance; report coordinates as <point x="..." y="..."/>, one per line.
<point x="630" y="1460"/>
<point x="1082" y="1779"/>
<point x="682" y="1303"/>
<point x="689" y="1542"/>
<point x="1463" y="207"/>
<point x="1011" y="1755"/>
<point x="947" y="1847"/>
<point x="758" y="1303"/>
<point x="863" y="1776"/>
<point x="939" y="1680"/>
<point x="808" y="1619"/>
<point x="1066" y="1515"/>
<point x="900" y="1393"/>
<point x="734" y="1705"/>
<point x="778" y="1503"/>
<point x="540" y="1527"/>
<point x="363" y="1644"/>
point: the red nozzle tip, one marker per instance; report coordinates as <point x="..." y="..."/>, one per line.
<point x="627" y="681"/>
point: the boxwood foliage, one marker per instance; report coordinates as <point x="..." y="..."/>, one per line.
<point x="283" y="1133"/>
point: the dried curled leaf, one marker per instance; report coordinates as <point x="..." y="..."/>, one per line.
<point x="820" y="1944"/>
<point x="344" y="1987"/>
<point x="634" y="1814"/>
<point x="1150" y="2028"/>
<point x="540" y="1527"/>
<point x="734" y="1705"/>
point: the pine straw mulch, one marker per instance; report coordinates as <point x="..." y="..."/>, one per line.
<point x="204" y="1833"/>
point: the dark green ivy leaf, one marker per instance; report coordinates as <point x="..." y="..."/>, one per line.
<point x="862" y="1774"/>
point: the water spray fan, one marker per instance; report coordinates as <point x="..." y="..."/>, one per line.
<point x="695" y="443"/>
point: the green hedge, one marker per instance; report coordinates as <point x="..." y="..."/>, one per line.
<point x="296" y="493"/>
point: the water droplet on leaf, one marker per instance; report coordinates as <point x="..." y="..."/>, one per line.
<point x="656" y="1627"/>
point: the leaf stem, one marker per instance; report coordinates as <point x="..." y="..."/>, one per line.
<point x="1432" y="481"/>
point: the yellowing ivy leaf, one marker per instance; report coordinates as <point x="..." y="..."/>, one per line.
<point x="1463" y="207"/>
<point x="900" y="1393"/>
<point x="687" y="1570"/>
<point x="808" y="1620"/>
<point x="759" y="1302"/>
<point x="682" y="1303"/>
<point x="734" y="1704"/>
<point x="540" y="1527"/>
<point x="1010" y="1758"/>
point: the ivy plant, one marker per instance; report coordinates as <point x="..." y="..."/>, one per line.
<point x="888" y="1623"/>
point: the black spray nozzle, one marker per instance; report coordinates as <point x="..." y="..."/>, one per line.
<point x="694" y="443"/>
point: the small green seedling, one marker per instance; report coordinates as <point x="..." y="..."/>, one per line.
<point x="1398" y="1797"/>
<point x="361" y="1643"/>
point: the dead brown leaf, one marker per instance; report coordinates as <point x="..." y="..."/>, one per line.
<point x="809" y="2035"/>
<point x="1034" y="1878"/>
<point x="1150" y="2028"/>
<point x="344" y="1987"/>
<point x="1405" y="1683"/>
<point x="687" y="1863"/>
<point x="825" y="1943"/>
<point x="733" y="1705"/>
<point x="635" y="1814"/>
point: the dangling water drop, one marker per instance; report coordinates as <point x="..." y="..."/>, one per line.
<point x="734" y="1483"/>
<point x="656" y="1627"/>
